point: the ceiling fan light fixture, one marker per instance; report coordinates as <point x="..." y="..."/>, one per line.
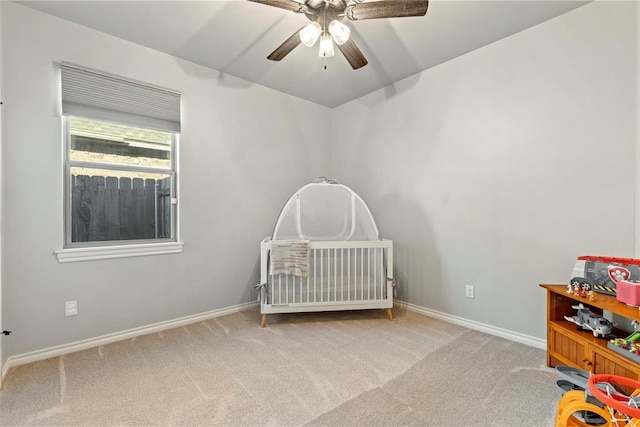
<point x="339" y="31"/>
<point x="326" y="46"/>
<point x="310" y="33"/>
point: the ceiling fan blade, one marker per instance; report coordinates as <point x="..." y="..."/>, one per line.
<point x="353" y="54"/>
<point x="286" y="47"/>
<point x="387" y="9"/>
<point x="291" y="5"/>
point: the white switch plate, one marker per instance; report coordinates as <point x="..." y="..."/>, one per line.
<point x="70" y="308"/>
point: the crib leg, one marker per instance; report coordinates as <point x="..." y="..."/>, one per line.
<point x="264" y="320"/>
<point x="389" y="315"/>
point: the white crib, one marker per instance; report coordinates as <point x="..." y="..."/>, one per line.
<point x="349" y="266"/>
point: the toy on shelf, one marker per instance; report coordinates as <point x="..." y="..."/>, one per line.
<point x="627" y="291"/>
<point x="588" y="320"/>
<point x="628" y="347"/>
<point x="618" y="272"/>
<point x="581" y="287"/>
<point x="604" y="272"/>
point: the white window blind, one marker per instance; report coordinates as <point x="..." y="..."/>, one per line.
<point x="97" y="95"/>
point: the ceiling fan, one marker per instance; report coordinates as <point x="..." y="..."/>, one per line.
<point x="326" y="25"/>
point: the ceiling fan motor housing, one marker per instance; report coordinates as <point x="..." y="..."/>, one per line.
<point x="326" y="12"/>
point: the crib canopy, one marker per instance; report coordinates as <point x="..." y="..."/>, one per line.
<point x="325" y="210"/>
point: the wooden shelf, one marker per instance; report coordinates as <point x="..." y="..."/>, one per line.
<point x="569" y="345"/>
<point x="585" y="335"/>
<point x="603" y="302"/>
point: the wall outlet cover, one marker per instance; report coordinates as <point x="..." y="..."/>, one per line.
<point x="70" y="308"/>
<point x="469" y="291"/>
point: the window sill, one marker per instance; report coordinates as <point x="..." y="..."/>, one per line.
<point x="111" y="252"/>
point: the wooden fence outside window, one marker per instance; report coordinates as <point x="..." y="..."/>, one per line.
<point x="111" y="208"/>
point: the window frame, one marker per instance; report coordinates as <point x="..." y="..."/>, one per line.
<point x="85" y="251"/>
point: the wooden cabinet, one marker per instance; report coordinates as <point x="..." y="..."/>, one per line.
<point x="569" y="345"/>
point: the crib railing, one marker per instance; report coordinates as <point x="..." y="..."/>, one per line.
<point x="343" y="275"/>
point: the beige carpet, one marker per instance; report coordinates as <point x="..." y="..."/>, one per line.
<point x="333" y="369"/>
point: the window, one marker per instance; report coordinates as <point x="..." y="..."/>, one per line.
<point x="121" y="141"/>
<point x="120" y="182"/>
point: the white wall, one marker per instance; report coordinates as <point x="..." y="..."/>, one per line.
<point x="244" y="150"/>
<point x="497" y="169"/>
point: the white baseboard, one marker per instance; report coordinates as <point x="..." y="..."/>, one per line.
<point x="471" y="324"/>
<point x="46" y="353"/>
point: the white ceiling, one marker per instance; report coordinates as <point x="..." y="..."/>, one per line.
<point x="235" y="37"/>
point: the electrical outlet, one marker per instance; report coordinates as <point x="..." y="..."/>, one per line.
<point x="70" y="308"/>
<point x="469" y="291"/>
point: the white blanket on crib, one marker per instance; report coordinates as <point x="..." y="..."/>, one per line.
<point x="290" y="257"/>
